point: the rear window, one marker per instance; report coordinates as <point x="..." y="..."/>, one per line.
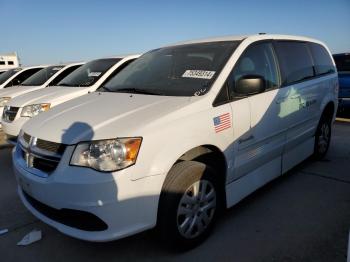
<point x="342" y="62"/>
<point x="295" y="61"/>
<point x="322" y="60"/>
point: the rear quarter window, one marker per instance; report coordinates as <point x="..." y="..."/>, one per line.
<point x="295" y="61"/>
<point x="322" y="60"/>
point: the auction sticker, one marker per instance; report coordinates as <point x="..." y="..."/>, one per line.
<point x="94" y="74"/>
<point x="199" y="74"/>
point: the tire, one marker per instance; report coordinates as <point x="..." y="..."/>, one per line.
<point x="323" y="136"/>
<point x="184" y="219"/>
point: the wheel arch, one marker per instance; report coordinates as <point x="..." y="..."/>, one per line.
<point x="210" y="155"/>
<point x="329" y="110"/>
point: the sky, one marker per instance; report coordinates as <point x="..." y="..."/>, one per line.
<point x="43" y="32"/>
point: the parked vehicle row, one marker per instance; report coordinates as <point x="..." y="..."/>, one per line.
<point x="173" y="136"/>
<point x="38" y="99"/>
<point x="24" y="80"/>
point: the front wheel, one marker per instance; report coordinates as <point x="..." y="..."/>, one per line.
<point x="188" y="205"/>
<point x="323" y="137"/>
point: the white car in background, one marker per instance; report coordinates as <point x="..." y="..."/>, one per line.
<point x="38" y="79"/>
<point x="16" y="76"/>
<point x="82" y="81"/>
<point x="178" y="134"/>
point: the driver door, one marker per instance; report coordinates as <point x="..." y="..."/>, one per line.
<point x="259" y="151"/>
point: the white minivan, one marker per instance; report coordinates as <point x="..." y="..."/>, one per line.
<point x="16" y="76"/>
<point x="83" y="80"/>
<point x="40" y="78"/>
<point x="180" y="133"/>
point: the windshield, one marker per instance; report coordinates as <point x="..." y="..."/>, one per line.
<point x="184" y="70"/>
<point x="40" y="77"/>
<point x="88" y="74"/>
<point x="342" y="62"/>
<point x="8" y="74"/>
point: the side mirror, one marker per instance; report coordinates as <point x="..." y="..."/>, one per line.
<point x="250" y="85"/>
<point x="13" y="82"/>
<point x="16" y="82"/>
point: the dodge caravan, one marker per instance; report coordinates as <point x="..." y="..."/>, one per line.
<point x="83" y="80"/>
<point x="180" y="133"/>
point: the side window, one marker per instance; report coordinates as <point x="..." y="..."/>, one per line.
<point x="323" y="62"/>
<point x="257" y="61"/>
<point x="62" y="75"/>
<point x="22" y="76"/>
<point x="295" y="61"/>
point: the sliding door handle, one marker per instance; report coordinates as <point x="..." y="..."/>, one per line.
<point x="243" y="140"/>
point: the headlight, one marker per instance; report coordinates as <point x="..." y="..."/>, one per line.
<point x="4" y="101"/>
<point x="107" y="155"/>
<point x="33" y="110"/>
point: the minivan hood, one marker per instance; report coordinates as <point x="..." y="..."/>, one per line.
<point x="102" y="116"/>
<point x="53" y="95"/>
<point x="14" y="91"/>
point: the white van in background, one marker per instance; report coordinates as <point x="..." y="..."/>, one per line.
<point x="83" y="80"/>
<point x="16" y="76"/>
<point x="42" y="77"/>
<point x="178" y="134"/>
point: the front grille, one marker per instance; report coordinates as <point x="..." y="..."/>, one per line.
<point x="50" y="146"/>
<point x="70" y="217"/>
<point x="41" y="155"/>
<point x="10" y="113"/>
<point x="26" y="138"/>
<point x="45" y="165"/>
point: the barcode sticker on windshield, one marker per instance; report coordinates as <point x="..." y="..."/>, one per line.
<point x="94" y="74"/>
<point x="199" y="74"/>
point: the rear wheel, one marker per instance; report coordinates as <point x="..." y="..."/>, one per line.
<point x="323" y="136"/>
<point x="188" y="205"/>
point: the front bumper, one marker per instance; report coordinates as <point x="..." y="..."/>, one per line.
<point x="125" y="206"/>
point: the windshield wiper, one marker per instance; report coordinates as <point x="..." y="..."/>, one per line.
<point x="137" y="91"/>
<point x="63" y="84"/>
<point x="103" y="88"/>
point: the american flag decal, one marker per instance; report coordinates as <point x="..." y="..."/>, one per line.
<point x="222" y="122"/>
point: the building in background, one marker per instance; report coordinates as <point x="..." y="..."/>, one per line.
<point x="8" y="61"/>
